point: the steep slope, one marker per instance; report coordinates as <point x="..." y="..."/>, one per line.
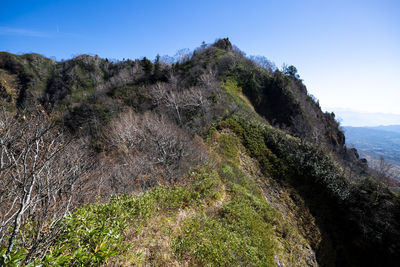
<point x="221" y="161"/>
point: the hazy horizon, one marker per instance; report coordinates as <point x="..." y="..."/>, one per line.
<point x="359" y="118"/>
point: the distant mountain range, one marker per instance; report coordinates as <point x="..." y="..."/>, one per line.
<point x="348" y="117"/>
<point x="386" y="128"/>
<point x="375" y="142"/>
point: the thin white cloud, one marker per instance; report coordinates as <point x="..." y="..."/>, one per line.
<point x="21" y="32"/>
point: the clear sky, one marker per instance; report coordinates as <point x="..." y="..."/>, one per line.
<point x="347" y="52"/>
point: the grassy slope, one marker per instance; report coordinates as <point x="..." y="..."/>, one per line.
<point x="263" y="198"/>
<point x="221" y="215"/>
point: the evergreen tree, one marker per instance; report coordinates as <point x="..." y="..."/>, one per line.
<point x="147" y="66"/>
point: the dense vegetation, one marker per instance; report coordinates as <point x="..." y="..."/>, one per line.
<point x="213" y="159"/>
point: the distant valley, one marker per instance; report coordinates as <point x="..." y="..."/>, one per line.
<point x="375" y="142"/>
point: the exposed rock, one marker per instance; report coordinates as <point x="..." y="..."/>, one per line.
<point x="224" y="44"/>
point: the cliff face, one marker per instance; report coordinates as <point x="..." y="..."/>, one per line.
<point x="234" y="161"/>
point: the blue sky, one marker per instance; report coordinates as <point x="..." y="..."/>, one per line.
<point x="347" y="52"/>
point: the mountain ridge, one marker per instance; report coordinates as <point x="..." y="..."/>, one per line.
<point x="227" y="147"/>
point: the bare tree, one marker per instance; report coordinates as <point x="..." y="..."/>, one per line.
<point x="122" y="75"/>
<point x="180" y="101"/>
<point x="182" y="55"/>
<point x="167" y="60"/>
<point x="151" y="150"/>
<point x="39" y="167"/>
<point x="384" y="168"/>
<point x="208" y="79"/>
<point x="264" y="63"/>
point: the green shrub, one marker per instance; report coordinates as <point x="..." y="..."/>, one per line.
<point x="95" y="232"/>
<point x="252" y="138"/>
<point x="281" y="155"/>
